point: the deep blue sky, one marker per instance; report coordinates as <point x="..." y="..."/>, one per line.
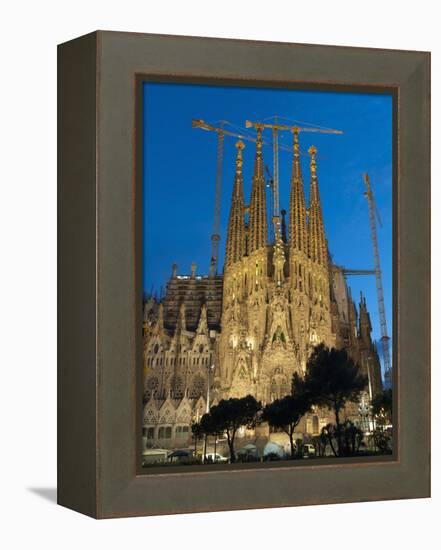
<point x="180" y="170"/>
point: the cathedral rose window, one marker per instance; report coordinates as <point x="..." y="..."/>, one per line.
<point x="152" y="383"/>
<point x="198" y="385"/>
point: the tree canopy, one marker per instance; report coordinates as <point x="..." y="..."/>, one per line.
<point x="331" y="379"/>
<point x="229" y="415"/>
<point x="286" y="413"/>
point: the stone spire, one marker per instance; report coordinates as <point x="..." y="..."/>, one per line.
<point x="236" y="225"/>
<point x="365" y="327"/>
<point x="258" y="229"/>
<point x="202" y="327"/>
<point x="181" y="325"/>
<point x="317" y="241"/>
<point x="298" y="236"/>
<point x="159" y="323"/>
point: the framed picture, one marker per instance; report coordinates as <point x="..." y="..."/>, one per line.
<point x="244" y="270"/>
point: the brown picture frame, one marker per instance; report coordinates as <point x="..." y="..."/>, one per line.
<point x="100" y="329"/>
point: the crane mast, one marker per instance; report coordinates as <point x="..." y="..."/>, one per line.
<point x="215" y="237"/>
<point x="378" y="278"/>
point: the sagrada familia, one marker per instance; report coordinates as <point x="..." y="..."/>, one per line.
<point x="250" y="329"/>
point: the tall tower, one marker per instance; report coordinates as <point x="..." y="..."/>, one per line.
<point x="318" y="278"/>
<point x="317" y="240"/>
<point x="236" y="226"/>
<point x="258" y="228"/>
<point x="298" y="235"/>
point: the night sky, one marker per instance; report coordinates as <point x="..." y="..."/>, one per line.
<point x="180" y="173"/>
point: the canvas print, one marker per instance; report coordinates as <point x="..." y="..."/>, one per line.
<point x="267" y="275"/>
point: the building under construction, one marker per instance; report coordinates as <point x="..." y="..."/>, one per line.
<point x="249" y="329"/>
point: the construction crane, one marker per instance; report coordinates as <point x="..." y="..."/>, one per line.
<point x="351" y="272"/>
<point x="276" y="127"/>
<point x="270" y="186"/>
<point x="373" y="213"/>
<point x="221" y="133"/>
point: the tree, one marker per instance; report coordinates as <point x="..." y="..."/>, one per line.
<point x="351" y="438"/>
<point x="197" y="434"/>
<point x="230" y="414"/>
<point x="210" y="426"/>
<point x="382" y="407"/>
<point x="286" y="413"/>
<point x="383" y="440"/>
<point x="331" y="380"/>
<point x="321" y="442"/>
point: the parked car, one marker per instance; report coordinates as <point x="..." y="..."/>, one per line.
<point x="154" y="456"/>
<point x="216" y="457"/>
<point x="180" y="456"/>
<point x="308" y="450"/>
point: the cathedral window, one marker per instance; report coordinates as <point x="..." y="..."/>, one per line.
<point x="181" y="432"/>
<point x="150" y="433"/>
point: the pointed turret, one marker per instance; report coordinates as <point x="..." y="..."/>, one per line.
<point x="203" y="324"/>
<point x="158" y="326"/>
<point x="317" y="241"/>
<point x="298" y="236"/>
<point x="160" y="322"/>
<point x="181" y="324"/>
<point x="365" y="327"/>
<point x="236" y="225"/>
<point x="258" y="229"/>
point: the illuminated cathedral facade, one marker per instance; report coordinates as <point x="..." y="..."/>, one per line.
<point x="250" y="329"/>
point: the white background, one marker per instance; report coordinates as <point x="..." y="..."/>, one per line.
<point x="29" y="34"/>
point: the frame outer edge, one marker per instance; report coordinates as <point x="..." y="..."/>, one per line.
<point x="77" y="380"/>
<point x="122" y="493"/>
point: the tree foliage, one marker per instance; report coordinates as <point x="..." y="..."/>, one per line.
<point x="229" y="415"/>
<point x="286" y="413"/>
<point x="382" y="407"/>
<point x="383" y="440"/>
<point x="344" y="440"/>
<point x="331" y="380"/>
<point x="197" y="434"/>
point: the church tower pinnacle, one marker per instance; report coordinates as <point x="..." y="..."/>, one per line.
<point x="298" y="235"/>
<point x="236" y="226"/>
<point x="258" y="229"/>
<point x="317" y="240"/>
